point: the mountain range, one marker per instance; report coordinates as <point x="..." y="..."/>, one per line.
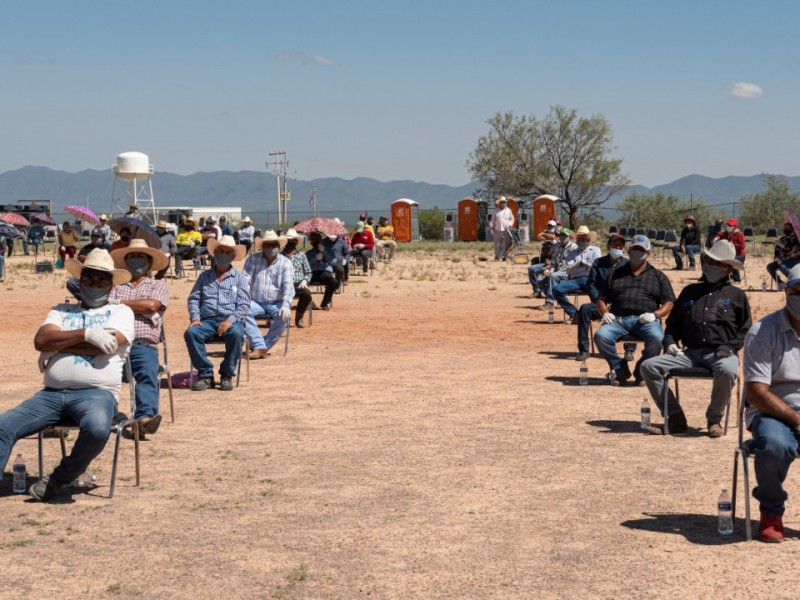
<point x="255" y="191"/>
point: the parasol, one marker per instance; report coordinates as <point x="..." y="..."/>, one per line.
<point x="14" y="219"/>
<point x="83" y="214"/>
<point x="9" y="231"/>
<point x="792" y="218"/>
<point x="323" y="225"/>
<point x="42" y="218"/>
<point x="138" y="228"/>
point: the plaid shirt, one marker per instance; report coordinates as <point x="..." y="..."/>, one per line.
<point x="787" y="248"/>
<point x="146" y="328"/>
<point x="630" y="294"/>
<point x="302" y="270"/>
<point x="229" y="297"/>
<point x="270" y="283"/>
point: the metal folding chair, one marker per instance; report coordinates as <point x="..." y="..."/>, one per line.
<point x="744" y="449"/>
<point x="694" y="373"/>
<point x="217" y="340"/>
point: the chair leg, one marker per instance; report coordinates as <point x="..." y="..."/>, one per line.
<point x="169" y="388"/>
<point x="746" y="472"/>
<point x="41" y="454"/>
<point x="665" y="393"/>
<point x="114" y="464"/>
<point x="734" y="483"/>
<point x="286" y="344"/>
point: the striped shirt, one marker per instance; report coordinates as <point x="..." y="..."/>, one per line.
<point x="146" y="328"/>
<point x="270" y="283"/>
<point x="302" y="270"/>
<point x="228" y="297"/>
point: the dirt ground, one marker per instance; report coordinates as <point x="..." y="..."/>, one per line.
<point x="427" y="438"/>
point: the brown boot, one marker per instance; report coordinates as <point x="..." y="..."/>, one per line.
<point x="715" y="430"/>
<point x="257" y="354"/>
<point x="677" y="424"/>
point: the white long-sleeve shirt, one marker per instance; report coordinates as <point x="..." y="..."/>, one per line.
<point x="502" y="220"/>
<point x="579" y="262"/>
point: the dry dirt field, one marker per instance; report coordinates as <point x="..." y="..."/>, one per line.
<point x="425" y="439"/>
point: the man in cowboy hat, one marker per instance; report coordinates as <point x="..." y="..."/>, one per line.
<point x="502" y="220"/>
<point x="735" y="236"/>
<point x="246" y="234"/>
<point x="363" y="243"/>
<point x="218" y="305"/>
<point x="710" y="320"/>
<point x="302" y="274"/>
<point x="133" y="211"/>
<point x="97" y="240"/>
<point x="271" y="292"/>
<point x="106" y="229"/>
<point x="187" y="242"/>
<point x="547" y="237"/>
<point x="639" y="295"/>
<point x="575" y="276"/>
<point x="689" y="243"/>
<point x="168" y="245"/>
<point x="148" y="298"/>
<point x="83" y="349"/>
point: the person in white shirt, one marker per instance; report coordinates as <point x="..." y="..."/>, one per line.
<point x="502" y="220"/>
<point x="577" y="265"/>
<point x="246" y="234"/>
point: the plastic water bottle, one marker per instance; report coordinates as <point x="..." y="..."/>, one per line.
<point x="19" y="475"/>
<point x="584" y="373"/>
<point x="645" y="414"/>
<point x="763" y="284"/>
<point x="725" y="514"/>
<point x="551" y="314"/>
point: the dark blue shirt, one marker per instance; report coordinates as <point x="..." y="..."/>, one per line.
<point x="600" y="273"/>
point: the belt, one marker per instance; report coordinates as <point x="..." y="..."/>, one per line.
<point x="144" y="343"/>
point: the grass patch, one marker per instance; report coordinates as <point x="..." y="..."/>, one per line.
<point x="297" y="575"/>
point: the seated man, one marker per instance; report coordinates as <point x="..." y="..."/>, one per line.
<point x="555" y="270"/>
<point x="302" y="275"/>
<point x="578" y="263"/>
<point x="246" y="234"/>
<point x="322" y="269"/>
<point x="535" y="270"/>
<point x="639" y="295"/>
<point x="710" y="320"/>
<point x="83" y="349"/>
<point x="772" y="389"/>
<point x="218" y="305"/>
<point x="787" y="254"/>
<point x="386" y="238"/>
<point x="271" y="291"/>
<point x="188" y="242"/>
<point x="148" y="298"/>
<point x="689" y="243"/>
<point x="35" y="236"/>
<point x="597" y="283"/>
<point x="168" y="246"/>
<point x="363" y="242"/>
<point x="337" y="254"/>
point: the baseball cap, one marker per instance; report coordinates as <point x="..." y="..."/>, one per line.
<point x="641" y="241"/>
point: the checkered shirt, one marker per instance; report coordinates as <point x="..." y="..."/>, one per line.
<point x="146" y="328"/>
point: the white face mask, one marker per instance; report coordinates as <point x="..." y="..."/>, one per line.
<point x="793" y="305"/>
<point x="332" y="238"/>
<point x="615" y="252"/>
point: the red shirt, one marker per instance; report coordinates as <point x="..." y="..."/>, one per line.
<point x="365" y="237"/>
<point x="736" y="238"/>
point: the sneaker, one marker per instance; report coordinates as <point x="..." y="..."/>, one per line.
<point x="45" y="489"/>
<point x="677" y="424"/>
<point x="201" y="385"/>
<point x="611" y="376"/>
<point x="714" y="430"/>
<point x="629" y="355"/>
<point x="149" y="425"/>
<point x="581" y="356"/>
<point x="770" y="529"/>
<point x="225" y="383"/>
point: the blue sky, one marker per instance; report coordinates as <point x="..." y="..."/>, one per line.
<point x="395" y="91"/>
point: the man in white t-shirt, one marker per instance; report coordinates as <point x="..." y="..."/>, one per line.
<point x="83" y="349"/>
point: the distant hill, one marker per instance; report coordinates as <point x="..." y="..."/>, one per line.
<point x="255" y="191"/>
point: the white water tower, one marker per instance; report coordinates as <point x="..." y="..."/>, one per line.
<point x="134" y="170"/>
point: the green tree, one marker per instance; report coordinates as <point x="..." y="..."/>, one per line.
<point x="562" y="154"/>
<point x="660" y="211"/>
<point x="431" y="223"/>
<point x="764" y="210"/>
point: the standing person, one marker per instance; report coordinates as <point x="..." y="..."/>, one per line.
<point x="710" y="320"/>
<point x="271" y="292"/>
<point x="82" y="348"/>
<point x="689" y="243"/>
<point x="639" y="295"/>
<point x="148" y="298"/>
<point x="787" y="254"/>
<point x="735" y="236"/>
<point x="502" y="220"/>
<point x="169" y="247"/>
<point x="363" y="242"/>
<point x="772" y="389"/>
<point x="577" y="266"/>
<point x="218" y="305"/>
<point x="302" y="275"/>
<point x="246" y="234"/>
<point x="386" y="238"/>
<point x="2" y="258"/>
<point x="67" y="241"/>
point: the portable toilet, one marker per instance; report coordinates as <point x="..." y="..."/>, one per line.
<point x="513" y="204"/>
<point x="544" y="208"/>
<point x="405" y="219"/>
<point x="467" y="220"/>
<point x="483" y="221"/>
<point x="524" y="225"/>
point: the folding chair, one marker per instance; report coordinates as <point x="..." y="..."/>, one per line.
<point x="750" y="237"/>
<point x="670" y="237"/>
<point x="163" y="367"/>
<point x="745" y="450"/>
<point x="182" y="259"/>
<point x="216" y="340"/>
<point x="613" y="229"/>
<point x="769" y="239"/>
<point x="694" y="373"/>
<point x="267" y="322"/>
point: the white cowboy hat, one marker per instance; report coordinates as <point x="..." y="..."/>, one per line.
<point x="103" y="217"/>
<point x="138" y="245"/>
<point x="228" y="243"/>
<point x="724" y="252"/>
<point x="246" y="220"/>
<point x="98" y="260"/>
<point x="293" y="235"/>
<point x="270" y="236"/>
<point x="499" y="200"/>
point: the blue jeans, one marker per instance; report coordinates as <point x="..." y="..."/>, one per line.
<point x="259" y="309"/>
<point x="2" y="266"/>
<point x="562" y="291"/>
<point x="91" y="408"/>
<point x="555" y="278"/>
<point x="775" y="449"/>
<point x="605" y="338"/>
<point x="690" y="252"/>
<point x="784" y="267"/>
<point x="736" y="275"/>
<point x="144" y="365"/>
<point x="196" y="338"/>
<point x="534" y="271"/>
<point x="586" y="314"/>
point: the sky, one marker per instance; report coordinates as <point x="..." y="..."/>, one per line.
<point x="395" y="91"/>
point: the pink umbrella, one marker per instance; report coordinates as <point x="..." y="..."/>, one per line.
<point x="14" y="219"/>
<point x="83" y="214"/>
<point x="323" y="225"/>
<point x="792" y="218"/>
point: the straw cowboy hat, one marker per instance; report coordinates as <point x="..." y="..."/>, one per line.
<point x="163" y="225"/>
<point x="724" y="252"/>
<point x="293" y="235"/>
<point x="193" y="222"/>
<point x="499" y="200"/>
<point x="103" y="217"/>
<point x="584" y="230"/>
<point x="228" y="243"/>
<point x="98" y="260"/>
<point x="138" y="245"/>
<point x="270" y="236"/>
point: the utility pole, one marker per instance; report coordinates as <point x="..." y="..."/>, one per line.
<point x="313" y="200"/>
<point x="281" y="170"/>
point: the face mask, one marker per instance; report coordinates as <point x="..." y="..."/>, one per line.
<point x="689" y="225"/>
<point x="713" y="274"/>
<point x="615" y="252"/>
<point x="271" y="251"/>
<point x="223" y="259"/>
<point x="290" y="246"/>
<point x="582" y="245"/>
<point x="637" y="256"/>
<point x="793" y="305"/>
<point x="788" y="231"/>
<point x="137" y="266"/>
<point x="503" y="205"/>
<point x="160" y="231"/>
<point x="94" y="297"/>
<point x="332" y="238"/>
<point x="730" y="229"/>
<point x="563" y="240"/>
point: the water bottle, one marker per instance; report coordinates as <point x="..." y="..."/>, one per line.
<point x="19" y="475"/>
<point x="780" y="285"/>
<point x="551" y="314"/>
<point x="725" y="514"/>
<point x="645" y="414"/>
<point x="763" y="284"/>
<point x="584" y="373"/>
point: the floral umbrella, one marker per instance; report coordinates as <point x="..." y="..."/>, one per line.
<point x="9" y="231"/>
<point x="14" y="219"/>
<point x="323" y="225"/>
<point x="83" y="214"/>
<point x="42" y="218"/>
<point x="792" y="218"/>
